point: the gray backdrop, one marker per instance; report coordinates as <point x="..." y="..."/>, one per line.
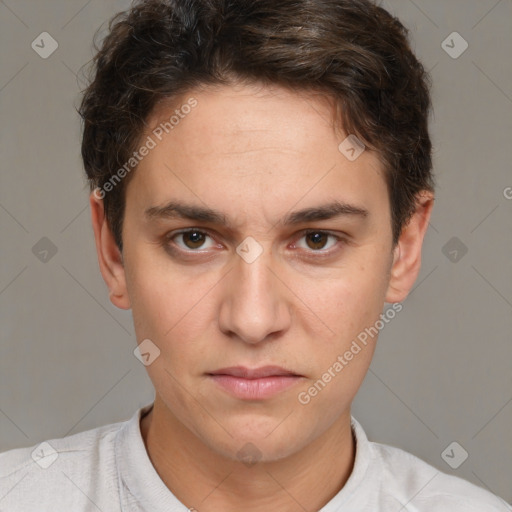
<point x="441" y="372"/>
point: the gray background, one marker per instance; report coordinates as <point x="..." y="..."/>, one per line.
<point x="441" y="372"/>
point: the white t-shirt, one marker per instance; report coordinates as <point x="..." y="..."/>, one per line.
<point x="107" y="469"/>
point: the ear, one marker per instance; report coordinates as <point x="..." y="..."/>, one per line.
<point x="407" y="253"/>
<point x="110" y="258"/>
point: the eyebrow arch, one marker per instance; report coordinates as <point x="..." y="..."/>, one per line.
<point x="176" y="209"/>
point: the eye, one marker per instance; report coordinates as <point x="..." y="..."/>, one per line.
<point x="317" y="241"/>
<point x="192" y="239"/>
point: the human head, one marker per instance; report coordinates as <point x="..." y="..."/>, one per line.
<point x="352" y="50"/>
<point x="253" y="147"/>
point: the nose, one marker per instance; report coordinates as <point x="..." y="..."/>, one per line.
<point x="254" y="305"/>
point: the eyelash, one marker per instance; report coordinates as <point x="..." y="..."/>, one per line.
<point x="304" y="233"/>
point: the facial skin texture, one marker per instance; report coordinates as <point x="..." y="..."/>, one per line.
<point x="256" y="154"/>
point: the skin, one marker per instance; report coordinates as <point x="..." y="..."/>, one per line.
<point x="255" y="153"/>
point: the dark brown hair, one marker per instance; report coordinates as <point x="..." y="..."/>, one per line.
<point x="352" y="50"/>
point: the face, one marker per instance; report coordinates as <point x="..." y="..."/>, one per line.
<point x="288" y="263"/>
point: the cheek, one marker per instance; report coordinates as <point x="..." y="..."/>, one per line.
<point x="345" y="303"/>
<point x="349" y="306"/>
<point x="169" y="307"/>
<point x="154" y="306"/>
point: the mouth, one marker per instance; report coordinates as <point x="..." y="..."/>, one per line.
<point x="254" y="384"/>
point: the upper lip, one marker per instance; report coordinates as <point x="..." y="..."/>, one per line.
<point x="255" y="373"/>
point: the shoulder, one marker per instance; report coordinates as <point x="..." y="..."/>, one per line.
<point x="408" y="479"/>
<point x="42" y="455"/>
<point x="62" y="472"/>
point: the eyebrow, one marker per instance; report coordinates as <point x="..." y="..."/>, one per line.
<point x="176" y="209"/>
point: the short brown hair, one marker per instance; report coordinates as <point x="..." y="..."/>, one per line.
<point x="353" y="50"/>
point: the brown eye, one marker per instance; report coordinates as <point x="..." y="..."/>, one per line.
<point x="191" y="239"/>
<point x="316" y="239"/>
<point x="195" y="238"/>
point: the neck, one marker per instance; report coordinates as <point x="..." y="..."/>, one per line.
<point x="206" y="481"/>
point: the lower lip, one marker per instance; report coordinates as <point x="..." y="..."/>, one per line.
<point x="255" y="389"/>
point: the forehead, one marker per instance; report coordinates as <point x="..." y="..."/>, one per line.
<point x="243" y="114"/>
<point x="253" y="147"/>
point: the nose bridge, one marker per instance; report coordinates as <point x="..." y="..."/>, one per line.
<point x="254" y="306"/>
<point x="254" y="278"/>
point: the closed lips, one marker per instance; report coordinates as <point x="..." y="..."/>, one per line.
<point x="257" y="373"/>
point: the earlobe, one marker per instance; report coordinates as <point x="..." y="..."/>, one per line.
<point x="407" y="253"/>
<point x="110" y="258"/>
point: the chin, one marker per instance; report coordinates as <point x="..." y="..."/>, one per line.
<point x="252" y="452"/>
<point x="258" y="447"/>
